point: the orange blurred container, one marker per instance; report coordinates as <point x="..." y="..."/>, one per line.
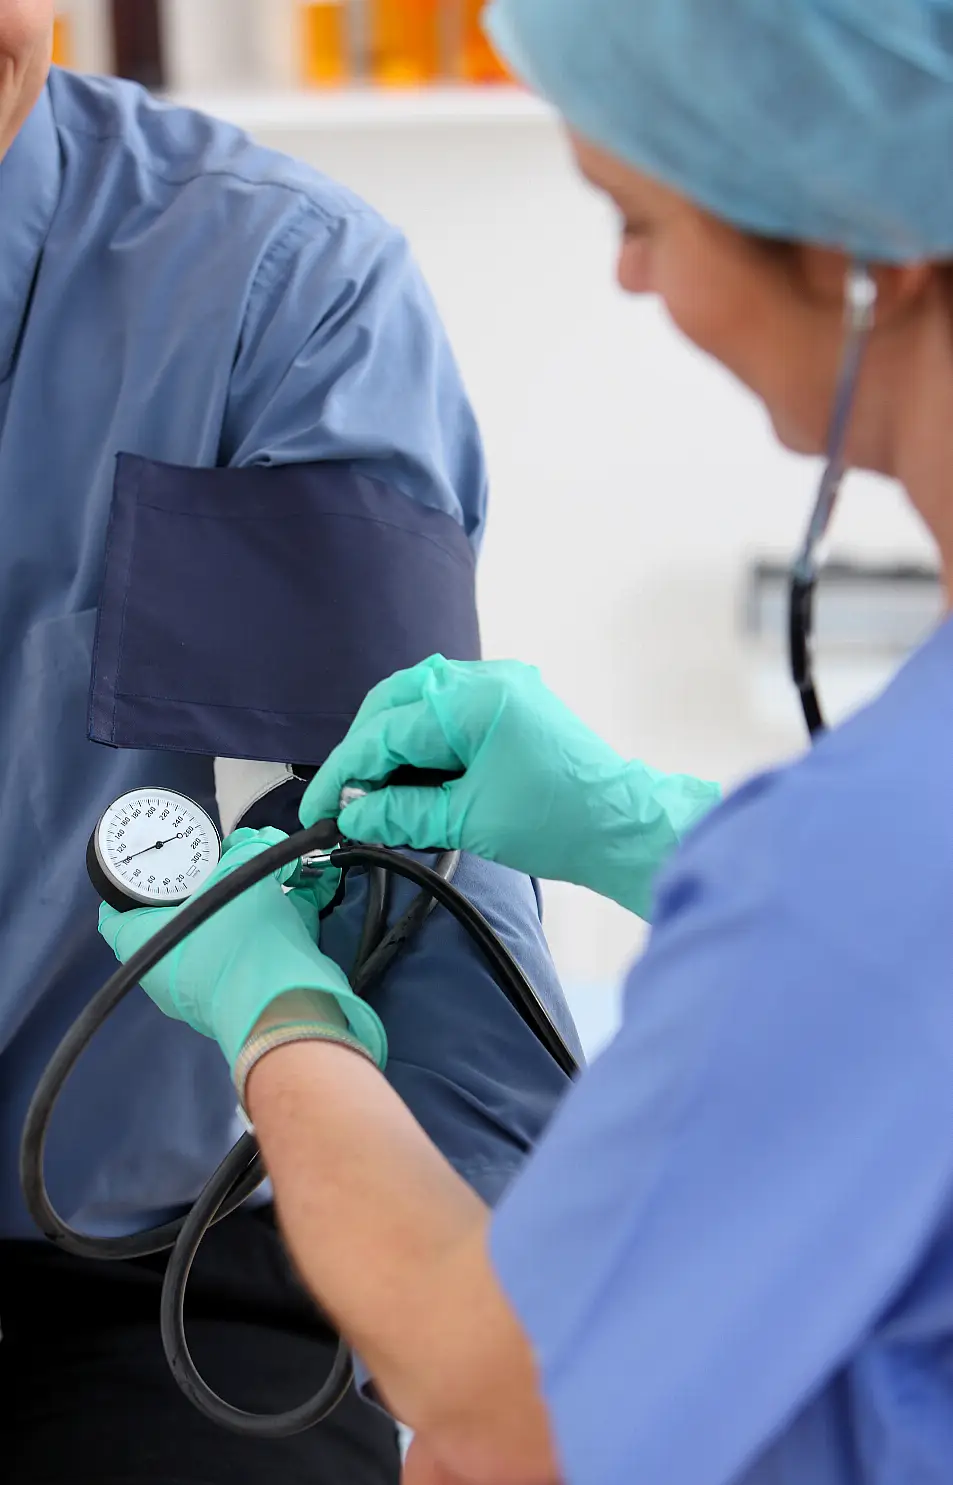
<point x="325" y="43"/>
<point x="62" y="40"/>
<point x="480" y="63"/>
<point x="405" y="42"/>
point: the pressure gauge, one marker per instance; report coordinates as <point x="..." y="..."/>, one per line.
<point x="152" y="848"/>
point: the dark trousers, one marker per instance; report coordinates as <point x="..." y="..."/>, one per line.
<point x="86" y="1397"/>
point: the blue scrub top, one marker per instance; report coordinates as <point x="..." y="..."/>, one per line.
<point x="171" y="292"/>
<point x="734" y="1249"/>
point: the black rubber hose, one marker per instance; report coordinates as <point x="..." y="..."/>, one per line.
<point x="243" y="1167"/>
<point x="800" y="630"/>
<point x="368" y="971"/>
<point x="375" y="915"/>
<point x="241" y="1172"/>
<point x="172" y="1323"/>
<point x="506" y="972"/>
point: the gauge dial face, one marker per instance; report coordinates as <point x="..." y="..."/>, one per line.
<point x="156" y="846"/>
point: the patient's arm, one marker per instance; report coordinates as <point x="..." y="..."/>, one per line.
<point x="472" y="1073"/>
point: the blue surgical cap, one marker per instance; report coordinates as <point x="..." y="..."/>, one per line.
<point x="820" y="121"/>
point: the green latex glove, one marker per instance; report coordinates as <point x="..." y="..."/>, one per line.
<point x="540" y="792"/>
<point x="231" y="970"/>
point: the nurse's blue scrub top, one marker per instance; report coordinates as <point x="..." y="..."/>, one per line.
<point x="734" y="1249"/>
<point x="300" y="497"/>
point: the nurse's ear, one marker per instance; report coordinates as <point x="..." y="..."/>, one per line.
<point x="821" y="274"/>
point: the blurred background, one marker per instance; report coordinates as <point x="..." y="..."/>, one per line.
<point x="641" y="514"/>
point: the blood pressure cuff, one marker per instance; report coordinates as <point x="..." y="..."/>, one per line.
<point x="246" y="613"/>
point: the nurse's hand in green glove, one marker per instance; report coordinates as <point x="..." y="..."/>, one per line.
<point x="539" y="791"/>
<point x="256" y="958"/>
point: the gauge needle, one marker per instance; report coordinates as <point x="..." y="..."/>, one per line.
<point x="157" y="847"/>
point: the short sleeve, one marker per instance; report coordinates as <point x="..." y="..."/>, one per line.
<point x="729" y="1199"/>
<point x="347" y="506"/>
<point x="344" y="359"/>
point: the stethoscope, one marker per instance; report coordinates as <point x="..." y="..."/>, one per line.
<point x="860" y="303"/>
<point x="154" y="846"/>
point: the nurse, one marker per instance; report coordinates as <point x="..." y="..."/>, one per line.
<point x="731" y="1259"/>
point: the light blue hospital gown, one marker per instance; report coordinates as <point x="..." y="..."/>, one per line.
<point x="260" y="347"/>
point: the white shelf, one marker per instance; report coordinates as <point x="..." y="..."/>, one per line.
<point x="370" y="108"/>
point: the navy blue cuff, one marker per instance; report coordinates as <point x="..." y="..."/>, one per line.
<point x="246" y="613"/>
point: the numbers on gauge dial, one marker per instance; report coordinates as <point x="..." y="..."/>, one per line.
<point x="158" y="847"/>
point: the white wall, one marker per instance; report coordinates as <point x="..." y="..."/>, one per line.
<point x="632" y="480"/>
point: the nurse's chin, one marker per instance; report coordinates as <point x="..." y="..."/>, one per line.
<point x="793" y="437"/>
